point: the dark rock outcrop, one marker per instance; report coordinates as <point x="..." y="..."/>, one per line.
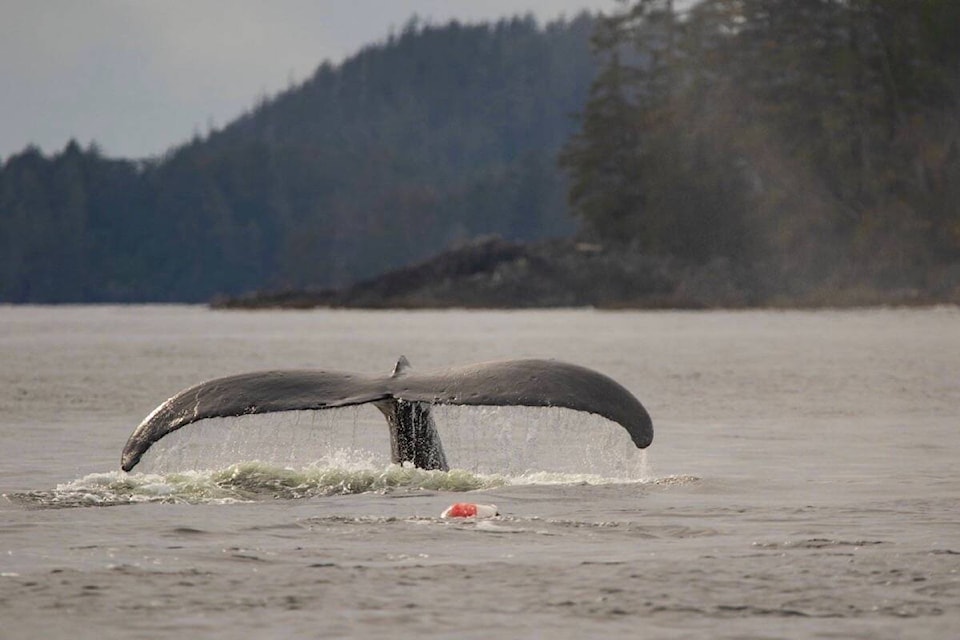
<point x="494" y="273"/>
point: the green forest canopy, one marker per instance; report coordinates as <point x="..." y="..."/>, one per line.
<point x="815" y="141"/>
<point x="435" y="136"/>
<point x="810" y="142"/>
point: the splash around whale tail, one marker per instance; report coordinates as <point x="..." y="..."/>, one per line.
<point x="404" y="397"/>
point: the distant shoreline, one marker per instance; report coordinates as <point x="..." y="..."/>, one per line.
<point x="492" y="273"/>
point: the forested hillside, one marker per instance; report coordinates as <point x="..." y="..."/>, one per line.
<point x="435" y="136"/>
<point x="814" y="143"/>
<point x="787" y="151"/>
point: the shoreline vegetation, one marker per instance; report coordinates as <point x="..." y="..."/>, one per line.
<point x="732" y="154"/>
<point x="493" y="273"/>
<point x="756" y="154"/>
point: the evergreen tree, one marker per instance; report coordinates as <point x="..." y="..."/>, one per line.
<point x="435" y="136"/>
<point x="815" y="141"/>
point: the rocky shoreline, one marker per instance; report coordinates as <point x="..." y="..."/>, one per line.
<point x="492" y="273"/>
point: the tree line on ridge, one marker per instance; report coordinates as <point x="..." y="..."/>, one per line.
<point x="809" y="144"/>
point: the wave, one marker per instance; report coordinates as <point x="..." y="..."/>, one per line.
<point x="297" y="455"/>
<point x="246" y="482"/>
<point x="259" y="481"/>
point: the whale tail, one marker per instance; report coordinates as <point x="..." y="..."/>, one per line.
<point x="404" y="397"/>
<point x="413" y="433"/>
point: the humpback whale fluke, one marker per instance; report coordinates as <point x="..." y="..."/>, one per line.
<point x="404" y="397"/>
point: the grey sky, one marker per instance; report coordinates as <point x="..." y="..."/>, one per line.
<point x="140" y="76"/>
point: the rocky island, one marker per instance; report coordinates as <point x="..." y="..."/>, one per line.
<point x="493" y="273"/>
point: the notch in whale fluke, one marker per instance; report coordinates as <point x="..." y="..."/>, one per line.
<point x="404" y="397"/>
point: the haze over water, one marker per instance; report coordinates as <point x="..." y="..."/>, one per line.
<point x="802" y="481"/>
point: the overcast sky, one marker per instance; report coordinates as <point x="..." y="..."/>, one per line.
<point x="140" y="76"/>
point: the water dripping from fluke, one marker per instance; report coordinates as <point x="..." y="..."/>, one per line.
<point x="407" y="400"/>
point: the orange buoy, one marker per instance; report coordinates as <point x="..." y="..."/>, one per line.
<point x="470" y="510"/>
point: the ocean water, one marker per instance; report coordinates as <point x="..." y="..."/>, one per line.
<point x="803" y="482"/>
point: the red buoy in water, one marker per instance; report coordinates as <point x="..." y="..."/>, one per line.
<point x="469" y="510"/>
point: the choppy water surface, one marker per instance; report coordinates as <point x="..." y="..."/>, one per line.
<point x="802" y="482"/>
